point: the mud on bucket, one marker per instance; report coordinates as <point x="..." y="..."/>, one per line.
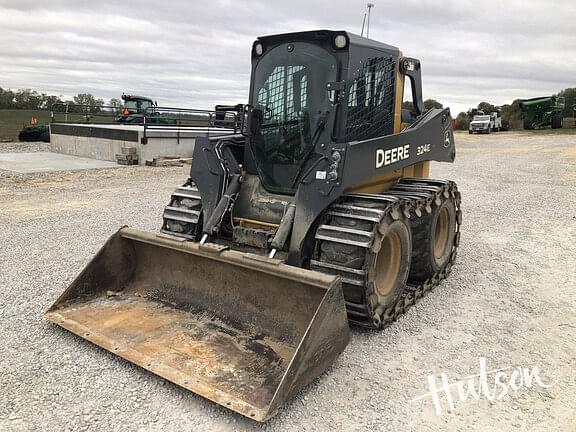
<point x="244" y="331"/>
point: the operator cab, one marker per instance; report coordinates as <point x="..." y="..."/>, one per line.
<point x="290" y="104"/>
<point x="310" y="90"/>
<point x="137" y="104"/>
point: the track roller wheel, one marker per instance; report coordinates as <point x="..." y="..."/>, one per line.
<point x="390" y="266"/>
<point x="433" y="239"/>
<point x="369" y="243"/>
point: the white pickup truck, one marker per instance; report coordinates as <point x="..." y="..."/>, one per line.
<point x="485" y="123"/>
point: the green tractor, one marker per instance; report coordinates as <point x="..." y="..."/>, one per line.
<point x="134" y="109"/>
<point x="541" y="112"/>
<point x="34" y="132"/>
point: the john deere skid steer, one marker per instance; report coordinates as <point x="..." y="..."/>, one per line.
<point x="319" y="214"/>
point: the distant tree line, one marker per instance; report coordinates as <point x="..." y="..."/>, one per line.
<point x="428" y="104"/>
<point x="570" y="95"/>
<point x="33" y="100"/>
<point x="511" y="113"/>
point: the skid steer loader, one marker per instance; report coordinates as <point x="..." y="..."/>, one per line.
<point x="320" y="213"/>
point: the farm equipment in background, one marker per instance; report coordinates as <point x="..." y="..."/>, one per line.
<point x="134" y="109"/>
<point x="485" y="123"/>
<point x="541" y="112"/>
<point x="34" y="133"/>
<point x="318" y="214"/>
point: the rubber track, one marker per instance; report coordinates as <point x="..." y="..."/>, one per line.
<point x="414" y="197"/>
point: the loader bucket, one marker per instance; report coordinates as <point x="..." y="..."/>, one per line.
<point x="239" y="329"/>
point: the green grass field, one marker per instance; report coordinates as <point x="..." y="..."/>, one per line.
<point x="12" y="121"/>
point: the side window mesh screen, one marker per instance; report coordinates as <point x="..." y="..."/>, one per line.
<point x="370" y="97"/>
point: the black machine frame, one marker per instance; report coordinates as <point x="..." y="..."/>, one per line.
<point x="339" y="164"/>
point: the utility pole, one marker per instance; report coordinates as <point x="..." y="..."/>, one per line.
<point x="370" y="6"/>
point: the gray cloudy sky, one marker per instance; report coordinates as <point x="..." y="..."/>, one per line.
<point x="197" y="53"/>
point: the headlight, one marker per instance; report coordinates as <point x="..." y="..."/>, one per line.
<point x="340" y="41"/>
<point x="409" y="65"/>
<point x="258" y="49"/>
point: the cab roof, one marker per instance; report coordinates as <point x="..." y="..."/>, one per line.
<point x="355" y="41"/>
<point x="134" y="97"/>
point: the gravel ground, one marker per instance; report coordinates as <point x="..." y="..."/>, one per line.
<point x="21" y="147"/>
<point x="509" y="299"/>
<point x="24" y="147"/>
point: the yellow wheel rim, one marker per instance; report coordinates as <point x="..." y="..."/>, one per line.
<point x="388" y="264"/>
<point x="441" y="234"/>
